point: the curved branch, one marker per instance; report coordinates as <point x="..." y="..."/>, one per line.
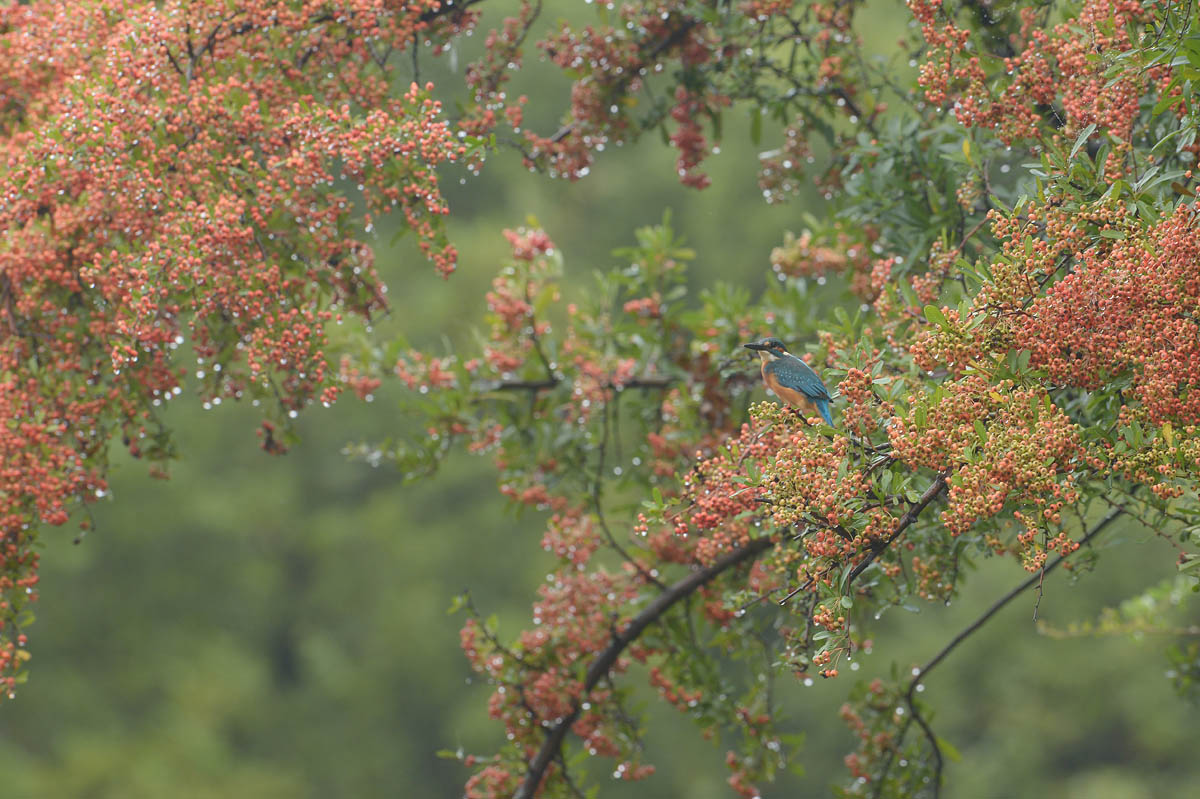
<point x="1004" y="600"/>
<point x="906" y="521"/>
<point x="608" y="658"/>
<point x="922" y="672"/>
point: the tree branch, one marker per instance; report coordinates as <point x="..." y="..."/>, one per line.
<point x="906" y="521"/>
<point x="922" y="672"/>
<point x="1009" y="597"/>
<point x="608" y="658"/>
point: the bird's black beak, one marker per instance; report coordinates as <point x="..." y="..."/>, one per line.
<point x="754" y="345"/>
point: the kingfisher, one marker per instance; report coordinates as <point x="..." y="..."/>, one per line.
<point x="792" y="380"/>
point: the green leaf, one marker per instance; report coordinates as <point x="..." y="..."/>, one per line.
<point x="544" y="299"/>
<point x="456" y="604"/>
<point x="1168" y="101"/>
<point x="935" y="316"/>
<point x="1146" y="212"/>
<point x="1082" y="138"/>
<point x="399" y="234"/>
<point x="948" y="749"/>
<point x="1191" y="47"/>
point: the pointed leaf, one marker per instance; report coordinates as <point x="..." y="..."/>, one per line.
<point x="1082" y="138"/>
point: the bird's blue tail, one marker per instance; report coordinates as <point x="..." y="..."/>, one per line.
<point x="823" y="408"/>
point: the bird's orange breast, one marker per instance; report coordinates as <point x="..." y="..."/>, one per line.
<point x="789" y="395"/>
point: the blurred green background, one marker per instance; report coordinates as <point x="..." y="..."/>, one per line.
<point x="264" y="626"/>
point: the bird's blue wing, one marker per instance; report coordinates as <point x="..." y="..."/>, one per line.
<point x="796" y="374"/>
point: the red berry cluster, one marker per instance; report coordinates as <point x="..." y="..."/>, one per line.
<point x="802" y="256"/>
<point x="999" y="442"/>
<point x="1051" y="68"/>
<point x="188" y="172"/>
<point x="1126" y="308"/>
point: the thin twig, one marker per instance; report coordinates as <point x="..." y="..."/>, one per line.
<point x="922" y="673"/>
<point x="1041" y="581"/>
<point x="663" y="44"/>
<point x="598" y="504"/>
<point x="1010" y="596"/>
